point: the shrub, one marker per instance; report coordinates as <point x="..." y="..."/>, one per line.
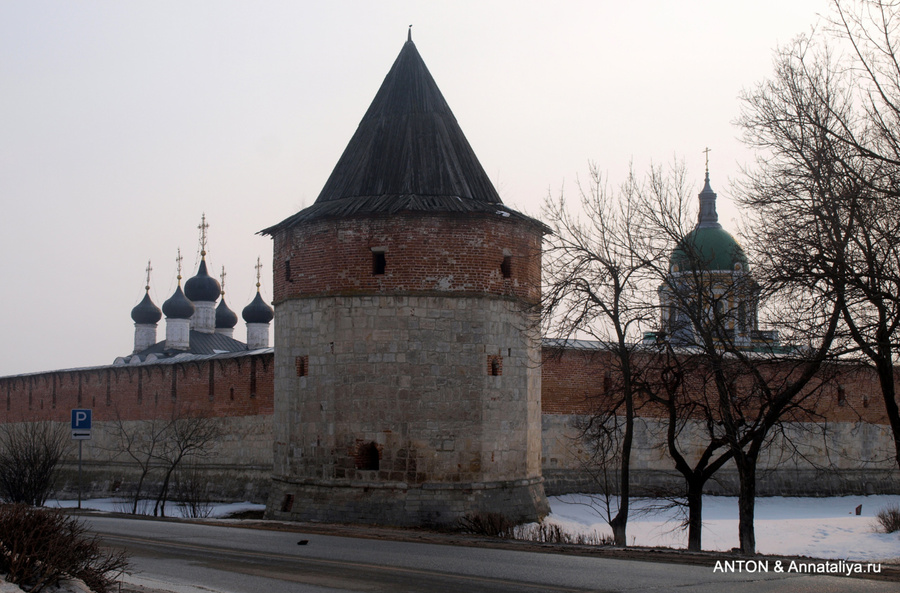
<point x="39" y="547"/>
<point x="29" y="456"/>
<point x="889" y="518"/>
<point x="489" y="524"/>
<point x="193" y="493"/>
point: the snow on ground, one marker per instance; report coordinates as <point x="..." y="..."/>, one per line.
<point x="816" y="527"/>
<point x="145" y="507"/>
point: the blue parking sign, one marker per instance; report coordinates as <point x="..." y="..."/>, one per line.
<point x="81" y="424"/>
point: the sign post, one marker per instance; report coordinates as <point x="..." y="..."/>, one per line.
<point x="81" y="431"/>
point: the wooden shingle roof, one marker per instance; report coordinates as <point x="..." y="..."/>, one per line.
<point x="407" y="155"/>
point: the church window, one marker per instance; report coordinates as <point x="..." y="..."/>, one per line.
<point x="506" y="266"/>
<point x="367" y="457"/>
<point x="379" y="263"/>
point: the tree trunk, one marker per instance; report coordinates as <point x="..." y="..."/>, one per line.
<point x="620" y="521"/>
<point x="885" y="369"/>
<point x="747" y="503"/>
<point x="137" y="494"/>
<point x="695" y="514"/>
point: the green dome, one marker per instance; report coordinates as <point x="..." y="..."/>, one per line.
<point x="711" y="247"/>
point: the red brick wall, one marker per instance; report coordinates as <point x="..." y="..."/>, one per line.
<point x="423" y="253"/>
<point x="571" y="384"/>
<point x="241" y="386"/>
<point x="574" y="382"/>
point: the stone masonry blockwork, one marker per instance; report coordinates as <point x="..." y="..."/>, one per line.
<point x="406" y="373"/>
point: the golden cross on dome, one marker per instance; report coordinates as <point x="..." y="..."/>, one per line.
<point x="222" y="276"/>
<point x="203" y="226"/>
<point x="707" y="159"/>
<point x="149" y="269"/>
<point x="178" y="262"/>
<point x="258" y="267"/>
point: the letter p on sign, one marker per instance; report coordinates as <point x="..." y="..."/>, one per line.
<point x="81" y="424"/>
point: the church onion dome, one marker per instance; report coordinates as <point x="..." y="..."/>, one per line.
<point x="146" y="312"/>
<point x="258" y="311"/>
<point x="225" y="317"/>
<point x="408" y="154"/>
<point x="202" y="287"/>
<point x="178" y="306"/>
<point x="708" y="246"/>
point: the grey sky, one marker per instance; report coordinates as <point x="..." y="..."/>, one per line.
<point x="122" y="122"/>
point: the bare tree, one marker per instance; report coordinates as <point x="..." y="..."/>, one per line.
<point x="747" y="385"/>
<point x="140" y="440"/>
<point x="30" y="453"/>
<point x="826" y="184"/>
<point x="189" y="436"/>
<point x="159" y="446"/>
<point x="595" y="288"/>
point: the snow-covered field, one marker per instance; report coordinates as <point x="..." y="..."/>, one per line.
<point x="816" y="527"/>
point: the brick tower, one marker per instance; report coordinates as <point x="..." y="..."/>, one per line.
<point x="407" y="385"/>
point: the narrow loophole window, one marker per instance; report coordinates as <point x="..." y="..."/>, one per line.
<point x="302" y="365"/>
<point x="287" y="270"/>
<point x="288" y="503"/>
<point x="495" y="366"/>
<point x="378" y="263"/>
<point x="506" y="266"/>
<point x="841" y="396"/>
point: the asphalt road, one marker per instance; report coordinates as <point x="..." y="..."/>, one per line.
<point x="194" y="558"/>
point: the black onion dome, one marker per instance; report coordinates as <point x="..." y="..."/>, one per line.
<point x="178" y="306"/>
<point x="225" y="317"/>
<point x="146" y="312"/>
<point x="202" y="287"/>
<point x="258" y="311"/>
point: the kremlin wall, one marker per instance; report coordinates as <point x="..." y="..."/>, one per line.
<point x="237" y="390"/>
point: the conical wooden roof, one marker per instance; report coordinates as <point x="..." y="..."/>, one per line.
<point x="408" y="154"/>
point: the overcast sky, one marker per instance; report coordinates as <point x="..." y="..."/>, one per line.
<point x="121" y="123"/>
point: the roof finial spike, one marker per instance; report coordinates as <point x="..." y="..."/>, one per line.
<point x="259" y="267"/>
<point x="222" y="277"/>
<point x="708" y="217"/>
<point x="409" y="34"/>
<point x="149" y="269"/>
<point x="178" y="262"/>
<point x="203" y="226"/>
